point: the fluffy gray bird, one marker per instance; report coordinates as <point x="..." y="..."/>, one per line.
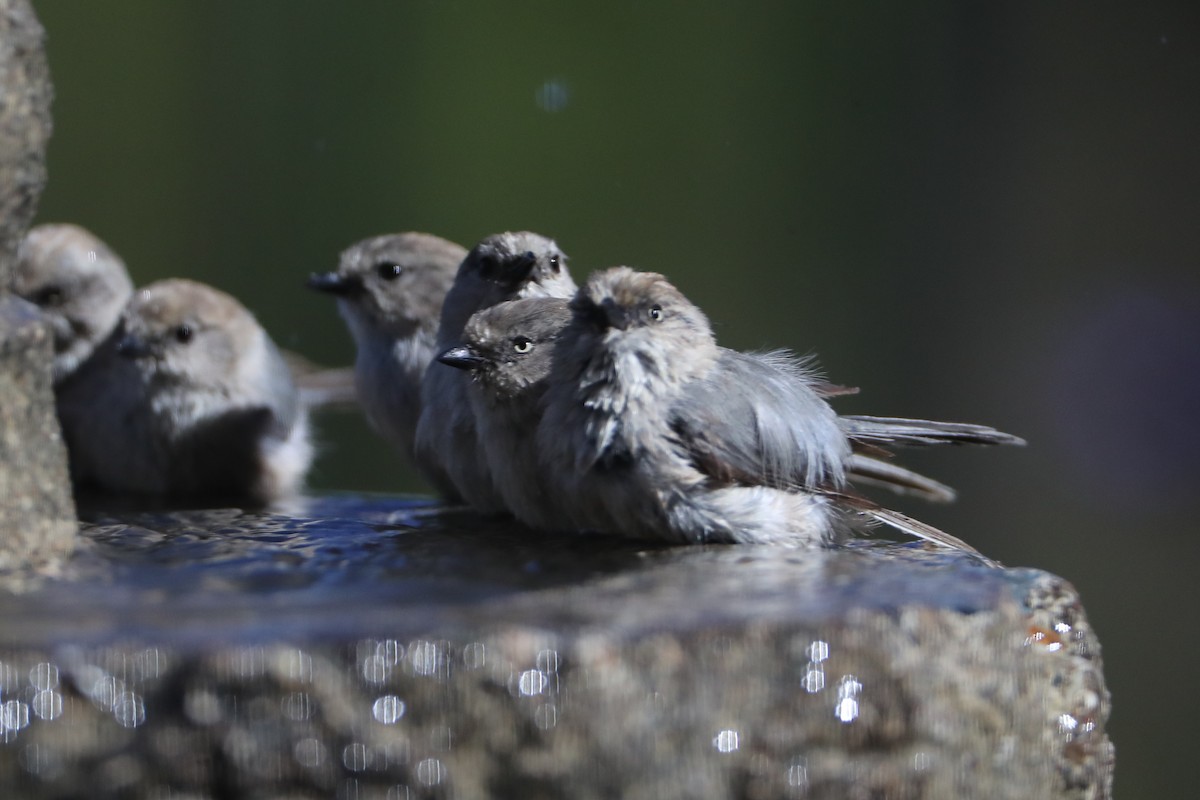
<point x="80" y="285"/>
<point x="193" y="400"/>
<point x="508" y="352"/>
<point x="650" y="429"/>
<point x="505" y="266"/>
<point x="389" y="291"/>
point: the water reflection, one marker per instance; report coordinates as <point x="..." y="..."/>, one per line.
<point x="47" y="704"/>
<point x="848" y="691"/>
<point x="297" y="706"/>
<point x="727" y="741"/>
<point x="474" y="656"/>
<point x="356" y="757"/>
<point x="388" y="709"/>
<point x="546" y="716"/>
<point x="532" y="682"/>
<point x="309" y="753"/>
<point x="431" y="771"/>
<point x="797" y="774"/>
<point x="14" y="716"/>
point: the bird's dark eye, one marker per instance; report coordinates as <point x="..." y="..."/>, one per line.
<point x="389" y="270"/>
<point x="522" y="344"/>
<point x="183" y="334"/>
<point x="656" y="312"/>
<point x="555" y="263"/>
<point x="48" y="296"/>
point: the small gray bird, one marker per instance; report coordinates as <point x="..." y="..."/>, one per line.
<point x="80" y="285"/>
<point x="390" y="290"/>
<point x="508" y="352"/>
<point x="650" y="429"/>
<point x="505" y="266"/>
<point x="193" y="400"/>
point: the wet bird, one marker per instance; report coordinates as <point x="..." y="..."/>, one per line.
<point x="193" y="400"/>
<point x="651" y="429"/>
<point x="502" y="267"/>
<point x="389" y="291"/>
<point x="80" y="285"/>
<point x="508" y="351"/>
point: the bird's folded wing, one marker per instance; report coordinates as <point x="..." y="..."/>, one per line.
<point x="756" y="419"/>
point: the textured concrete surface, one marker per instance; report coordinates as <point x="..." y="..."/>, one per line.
<point x="37" y="515"/>
<point x="26" y="93"/>
<point x="373" y="650"/>
<point x="36" y="510"/>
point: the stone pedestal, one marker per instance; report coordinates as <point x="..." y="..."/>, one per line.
<point x="37" y="517"/>
<point x="36" y="512"/>
<point x="374" y="652"/>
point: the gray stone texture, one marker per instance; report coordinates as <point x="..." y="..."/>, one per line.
<point x="36" y="511"/>
<point x="37" y="516"/>
<point x="25" y="95"/>
<point x="383" y="653"/>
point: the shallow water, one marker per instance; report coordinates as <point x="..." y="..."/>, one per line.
<point x="350" y="565"/>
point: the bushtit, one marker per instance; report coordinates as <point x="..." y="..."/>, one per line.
<point x="505" y="266"/>
<point x="650" y="429"/>
<point x="389" y="290"/>
<point x="80" y="285"/>
<point x="507" y="350"/>
<point x="194" y="402"/>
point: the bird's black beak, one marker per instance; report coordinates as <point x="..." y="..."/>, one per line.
<point x="597" y="315"/>
<point x="615" y="316"/>
<point x="132" y="346"/>
<point x="520" y="267"/>
<point x="333" y="283"/>
<point x="461" y="357"/>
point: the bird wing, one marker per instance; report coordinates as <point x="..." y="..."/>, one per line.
<point x="757" y="419"/>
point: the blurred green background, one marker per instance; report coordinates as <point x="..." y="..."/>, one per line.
<point x="987" y="212"/>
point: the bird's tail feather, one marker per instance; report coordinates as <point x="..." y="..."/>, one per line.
<point x="865" y="469"/>
<point x="905" y="523"/>
<point x="920" y="432"/>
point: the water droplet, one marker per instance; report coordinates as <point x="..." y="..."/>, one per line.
<point x="797" y="774"/>
<point x="546" y="716"/>
<point x="547" y="661"/>
<point x="14" y="715"/>
<point x="474" y="657"/>
<point x="814" y="679"/>
<point x="376" y="669"/>
<point x="532" y="682"/>
<point x="356" y="757"/>
<point x="425" y="657"/>
<point x="44" y="676"/>
<point x="129" y="710"/>
<point x="48" y="705"/>
<point x="727" y="741"/>
<point x="309" y="753"/>
<point x="388" y="709"/>
<point x="297" y="706"/>
<point x="431" y="772"/>
<point x="847" y="708"/>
